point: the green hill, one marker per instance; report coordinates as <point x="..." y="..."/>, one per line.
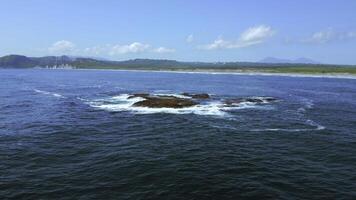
<point x="20" y="62"/>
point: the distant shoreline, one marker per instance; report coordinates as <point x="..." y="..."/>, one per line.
<point x="213" y="71"/>
<point x="236" y="72"/>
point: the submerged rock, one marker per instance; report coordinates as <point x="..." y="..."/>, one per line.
<point x="197" y="96"/>
<point x="254" y="100"/>
<point x="230" y="102"/>
<point x="270" y="99"/>
<point x="165" y="102"/>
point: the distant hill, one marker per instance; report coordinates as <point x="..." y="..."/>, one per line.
<point x="298" y="60"/>
<point x="267" y="65"/>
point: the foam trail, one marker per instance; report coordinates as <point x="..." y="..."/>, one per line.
<point x="308" y="122"/>
<point x="49" y="93"/>
<point x="312" y="123"/>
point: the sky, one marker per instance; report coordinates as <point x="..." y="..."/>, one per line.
<point x="185" y="30"/>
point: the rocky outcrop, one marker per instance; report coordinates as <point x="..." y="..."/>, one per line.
<point x="165" y="102"/>
<point x="171" y="101"/>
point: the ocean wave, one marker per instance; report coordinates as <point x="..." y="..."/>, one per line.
<point x="307" y="104"/>
<point x="281" y="129"/>
<point x="308" y="122"/>
<point x="313" y="123"/>
<point x="48" y="93"/>
<point x="122" y="103"/>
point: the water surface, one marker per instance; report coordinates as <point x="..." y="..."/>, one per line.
<point x="72" y="134"/>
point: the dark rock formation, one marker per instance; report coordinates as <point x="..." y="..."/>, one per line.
<point x="165" y="102"/>
<point x="270" y="99"/>
<point x="170" y="101"/>
<point x="253" y="100"/>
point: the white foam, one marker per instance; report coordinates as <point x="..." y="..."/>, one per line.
<point x="308" y="122"/>
<point x="49" y="93"/>
<point x="173" y="95"/>
<point x="307" y="105"/>
<point x="281" y="129"/>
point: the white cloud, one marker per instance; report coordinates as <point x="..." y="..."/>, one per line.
<point x="329" y="35"/>
<point x="219" y="43"/>
<point x="321" y="37"/>
<point x="252" y="36"/>
<point x="190" y="38"/>
<point x="351" y="34"/>
<point x="67" y="47"/>
<point x="135" y="47"/>
<point x="96" y="50"/>
<point x="62" y="46"/>
<point x="256" y="34"/>
<point x="163" y="50"/>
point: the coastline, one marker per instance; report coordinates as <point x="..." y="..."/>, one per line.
<point x="222" y="72"/>
<point x="242" y="73"/>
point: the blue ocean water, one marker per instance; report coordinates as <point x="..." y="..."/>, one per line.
<point x="73" y="134"/>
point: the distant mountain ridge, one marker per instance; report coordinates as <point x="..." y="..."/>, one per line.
<point x="20" y="61"/>
<point x="298" y="60"/>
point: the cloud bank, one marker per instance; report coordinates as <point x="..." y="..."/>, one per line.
<point x="329" y="35"/>
<point x="163" y="50"/>
<point x="67" y="47"/>
<point x="135" y="47"/>
<point x="250" y="37"/>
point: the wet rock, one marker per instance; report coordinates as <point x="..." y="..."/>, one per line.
<point x="270" y="99"/>
<point x="197" y="96"/>
<point x="260" y="99"/>
<point x="253" y="100"/>
<point x="230" y="102"/>
<point x="165" y="102"/>
<point x="142" y="95"/>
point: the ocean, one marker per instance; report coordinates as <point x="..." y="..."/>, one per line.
<point x="74" y="134"/>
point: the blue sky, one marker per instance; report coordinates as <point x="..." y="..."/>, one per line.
<point x="187" y="30"/>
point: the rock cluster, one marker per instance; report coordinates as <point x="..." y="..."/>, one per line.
<point x="172" y="101"/>
<point x="167" y="101"/>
